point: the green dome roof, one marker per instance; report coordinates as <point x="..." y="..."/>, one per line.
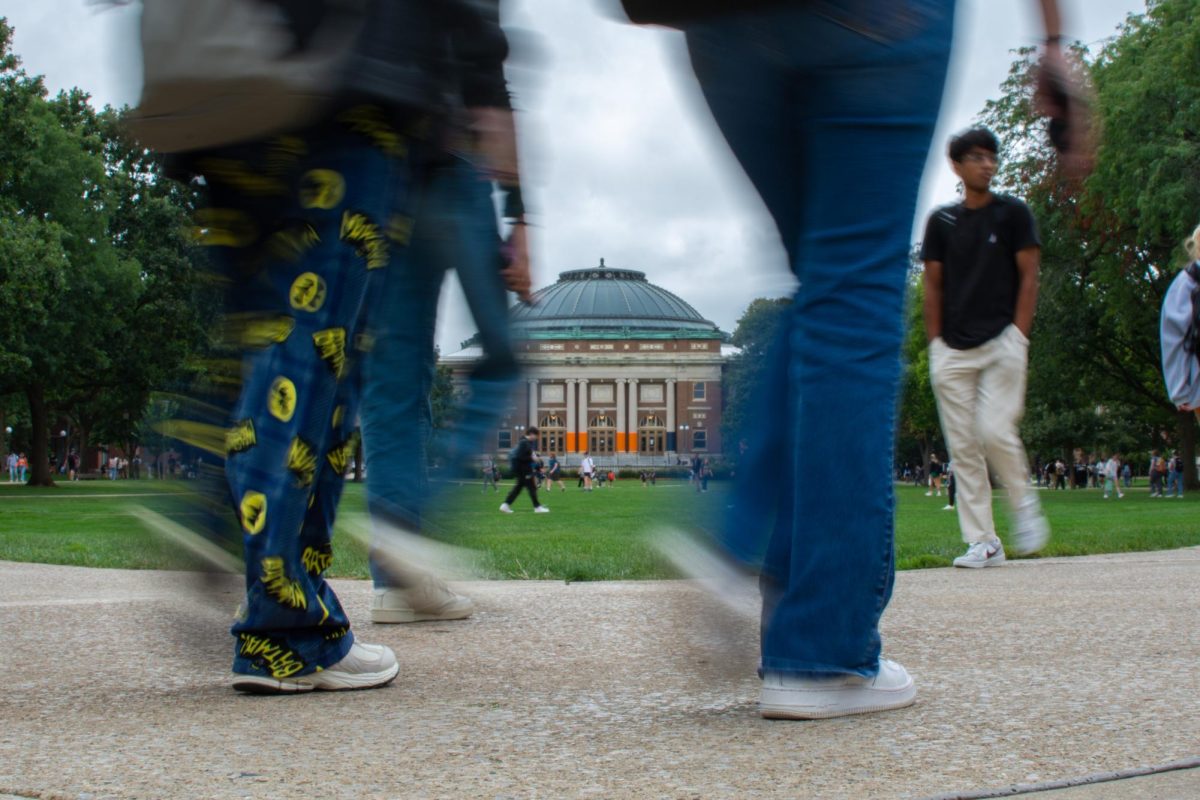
<point x="602" y="303"/>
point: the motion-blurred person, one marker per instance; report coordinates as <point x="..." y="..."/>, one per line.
<point x="298" y="223"/>
<point x="981" y="257"/>
<point x="454" y="227"/>
<point x="830" y="108"/>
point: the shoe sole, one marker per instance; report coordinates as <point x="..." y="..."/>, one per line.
<point x="856" y="702"/>
<point x="323" y="682"/>
<point x="383" y="616"/>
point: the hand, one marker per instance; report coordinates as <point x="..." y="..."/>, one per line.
<point x="517" y="274"/>
<point x="1062" y="98"/>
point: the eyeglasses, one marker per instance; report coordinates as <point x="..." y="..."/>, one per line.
<point x="981" y="158"/>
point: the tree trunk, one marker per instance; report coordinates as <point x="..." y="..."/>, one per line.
<point x="39" y="456"/>
<point x="1187" y="447"/>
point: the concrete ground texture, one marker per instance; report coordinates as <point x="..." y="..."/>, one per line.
<point x="116" y="686"/>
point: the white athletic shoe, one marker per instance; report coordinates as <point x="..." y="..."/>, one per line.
<point x="790" y="697"/>
<point x="506" y="508"/>
<point x="364" y="667"/>
<point x="929" y="494"/>
<point x="1032" y="531"/>
<point x="947" y="508"/>
<point x="541" y="510"/>
<point x="428" y="598"/>
<point x="982" y="554"/>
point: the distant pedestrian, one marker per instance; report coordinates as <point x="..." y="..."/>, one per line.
<point x="1126" y="475"/>
<point x="1174" y="476"/>
<point x="554" y="473"/>
<point x="935" y="476"/>
<point x="73" y="466"/>
<point x="1158" y="472"/>
<point x="949" y="487"/>
<point x="12" y="467"/>
<point x="523" y="469"/>
<point x="22" y="468"/>
<point x="1112" y="473"/>
<point x="587" y="469"/>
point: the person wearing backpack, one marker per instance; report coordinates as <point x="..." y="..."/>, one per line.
<point x="1175" y="476"/>
<point x="523" y="458"/>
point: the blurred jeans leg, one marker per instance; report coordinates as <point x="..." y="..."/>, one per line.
<point x="454" y="227"/>
<point x="832" y="121"/>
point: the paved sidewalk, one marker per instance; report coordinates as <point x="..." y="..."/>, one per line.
<point x="116" y="687"/>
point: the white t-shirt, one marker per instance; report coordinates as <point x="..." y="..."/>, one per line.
<point x="587" y="466"/>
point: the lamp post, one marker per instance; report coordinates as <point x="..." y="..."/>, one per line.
<point x="683" y="432"/>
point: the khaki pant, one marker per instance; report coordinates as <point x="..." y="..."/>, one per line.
<point x="981" y="397"/>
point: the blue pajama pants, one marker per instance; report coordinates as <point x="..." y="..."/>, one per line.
<point x="299" y="227"/>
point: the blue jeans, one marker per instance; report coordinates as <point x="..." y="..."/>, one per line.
<point x="831" y="117"/>
<point x="1174" y="483"/>
<point x="454" y="227"/>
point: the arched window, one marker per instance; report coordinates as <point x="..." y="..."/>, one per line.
<point x="652" y="435"/>
<point x="552" y="435"/>
<point x="602" y="434"/>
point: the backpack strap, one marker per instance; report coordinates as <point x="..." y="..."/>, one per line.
<point x="1191" y="339"/>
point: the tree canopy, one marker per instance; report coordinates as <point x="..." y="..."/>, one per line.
<point x="97" y="293"/>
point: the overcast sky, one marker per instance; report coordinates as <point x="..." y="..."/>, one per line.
<point x="621" y="160"/>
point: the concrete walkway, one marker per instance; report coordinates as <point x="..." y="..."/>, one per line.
<point x="116" y="687"/>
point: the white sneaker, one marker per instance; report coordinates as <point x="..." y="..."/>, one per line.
<point x="505" y="508"/>
<point x="790" y="697"/>
<point x="541" y="510"/>
<point x="1032" y="531"/>
<point x="1120" y="495"/>
<point x="929" y="494"/>
<point x="364" y="667"/>
<point x="982" y="554"/>
<point x="947" y="508"/>
<point x="427" y="599"/>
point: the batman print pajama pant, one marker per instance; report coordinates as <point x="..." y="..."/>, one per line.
<point x="299" y="228"/>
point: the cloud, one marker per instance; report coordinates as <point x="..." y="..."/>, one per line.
<point x="622" y="159"/>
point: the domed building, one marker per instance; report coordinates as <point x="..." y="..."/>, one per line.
<point x="616" y="366"/>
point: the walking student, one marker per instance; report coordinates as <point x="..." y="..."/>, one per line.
<point x="1112" y="476"/>
<point x="981" y="281"/>
<point x="523" y="470"/>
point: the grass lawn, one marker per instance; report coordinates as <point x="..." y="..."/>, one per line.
<point x="597" y="536"/>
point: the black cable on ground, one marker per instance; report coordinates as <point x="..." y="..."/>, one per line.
<point x="1067" y="783"/>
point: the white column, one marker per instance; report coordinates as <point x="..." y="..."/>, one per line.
<point x="632" y="440"/>
<point x="572" y="429"/>
<point x="583" y="414"/>
<point x="533" y="402"/>
<point x="671" y="406"/>
<point x="622" y="422"/>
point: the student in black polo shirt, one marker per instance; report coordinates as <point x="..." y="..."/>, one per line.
<point x="981" y="278"/>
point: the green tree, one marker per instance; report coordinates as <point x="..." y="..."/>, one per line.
<point x="96" y="282"/>
<point x="754" y="335"/>
<point x="920" y="431"/>
<point x="1110" y="244"/>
